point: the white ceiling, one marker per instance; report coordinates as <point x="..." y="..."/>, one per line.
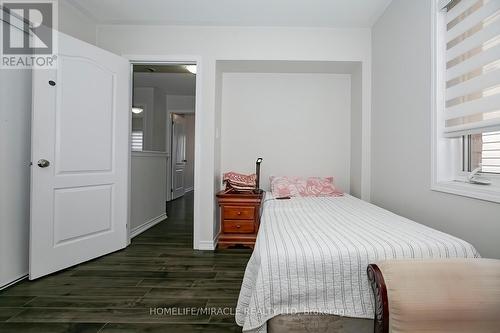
<point x="300" y="13"/>
<point x="171" y="83"/>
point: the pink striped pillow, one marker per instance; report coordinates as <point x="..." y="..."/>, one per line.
<point x="302" y="187"/>
<point x="284" y="186"/>
<point x="320" y="187"/>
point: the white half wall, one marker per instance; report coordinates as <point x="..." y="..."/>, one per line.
<point x="401" y="132"/>
<point x="148" y="181"/>
<point x="15" y="152"/>
<point x="298" y="123"/>
<point x="206" y="45"/>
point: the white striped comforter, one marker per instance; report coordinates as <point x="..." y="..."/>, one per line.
<point x="312" y="253"/>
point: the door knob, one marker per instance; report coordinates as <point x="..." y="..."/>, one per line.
<point x="43" y="163"/>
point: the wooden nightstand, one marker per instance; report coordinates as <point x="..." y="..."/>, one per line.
<point x="240" y="218"/>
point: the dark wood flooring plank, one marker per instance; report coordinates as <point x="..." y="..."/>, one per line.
<point x="14" y="301"/>
<point x="77" y="291"/>
<point x="120" y="292"/>
<point x="167" y="283"/>
<point x="7" y="313"/>
<point x="164" y="328"/>
<point x="83" y="315"/>
<point x="50" y="327"/>
<point x="98" y="302"/>
<point x="192" y="292"/>
<point x="115" y="302"/>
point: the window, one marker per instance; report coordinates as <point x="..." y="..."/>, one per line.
<point x="138" y="124"/>
<point x="482" y="150"/>
<point x="466" y="121"/>
<point x="137" y="138"/>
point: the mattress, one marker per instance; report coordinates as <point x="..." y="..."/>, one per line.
<point x="311" y="256"/>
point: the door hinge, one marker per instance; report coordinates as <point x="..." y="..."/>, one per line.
<point x="171" y="190"/>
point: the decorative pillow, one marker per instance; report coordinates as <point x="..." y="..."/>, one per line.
<point x="284" y="187"/>
<point x="239" y="181"/>
<point x="320" y="187"/>
<point x="302" y="187"/>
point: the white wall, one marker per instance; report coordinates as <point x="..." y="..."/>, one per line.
<point x="181" y="103"/>
<point x="208" y="44"/>
<point x="74" y="23"/>
<point x="298" y="123"/>
<point x="15" y="154"/>
<point x="401" y="132"/>
<point x="356" y="132"/>
<point x="148" y="179"/>
<point x="159" y="121"/>
<point x="155" y="117"/>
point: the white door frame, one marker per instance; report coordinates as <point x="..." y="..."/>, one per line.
<point x="173" y="163"/>
<point x="137" y="59"/>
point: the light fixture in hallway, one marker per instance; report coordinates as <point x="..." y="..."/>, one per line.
<point x="191" y="68"/>
<point x="137" y="110"/>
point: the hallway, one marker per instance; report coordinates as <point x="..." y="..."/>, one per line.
<point x="131" y="290"/>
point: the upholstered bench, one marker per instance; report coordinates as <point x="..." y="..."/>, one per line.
<point x="449" y="295"/>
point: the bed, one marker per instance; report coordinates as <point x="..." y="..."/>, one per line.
<point x="311" y="256"/>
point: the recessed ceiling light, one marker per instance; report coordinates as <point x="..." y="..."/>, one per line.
<point x="137" y="110"/>
<point x="191" y="68"/>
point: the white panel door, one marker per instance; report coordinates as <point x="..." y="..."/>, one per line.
<point x="80" y="147"/>
<point x="178" y="155"/>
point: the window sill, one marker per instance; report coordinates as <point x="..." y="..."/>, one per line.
<point x="482" y="192"/>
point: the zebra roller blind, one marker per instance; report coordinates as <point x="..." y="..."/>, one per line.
<point x="472" y="67"/>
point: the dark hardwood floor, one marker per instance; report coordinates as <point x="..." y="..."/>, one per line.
<point x="132" y="290"/>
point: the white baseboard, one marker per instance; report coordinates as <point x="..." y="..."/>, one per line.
<point x="207" y="245"/>
<point x="189" y="189"/>
<point x="145" y="226"/>
<point x="14" y="282"/>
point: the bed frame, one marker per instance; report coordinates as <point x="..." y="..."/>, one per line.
<point x="381" y="321"/>
<point x="425" y="286"/>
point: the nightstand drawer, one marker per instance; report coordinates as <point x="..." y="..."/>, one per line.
<point x="239" y="213"/>
<point x="240" y="217"/>
<point x="238" y="227"/>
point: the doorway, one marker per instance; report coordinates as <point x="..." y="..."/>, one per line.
<point x="182" y="139"/>
<point x="162" y="140"/>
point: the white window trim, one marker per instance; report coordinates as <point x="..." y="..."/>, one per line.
<point x="445" y="168"/>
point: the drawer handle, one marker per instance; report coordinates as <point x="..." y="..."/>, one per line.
<point x="239" y="213"/>
<point x="238" y="226"/>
